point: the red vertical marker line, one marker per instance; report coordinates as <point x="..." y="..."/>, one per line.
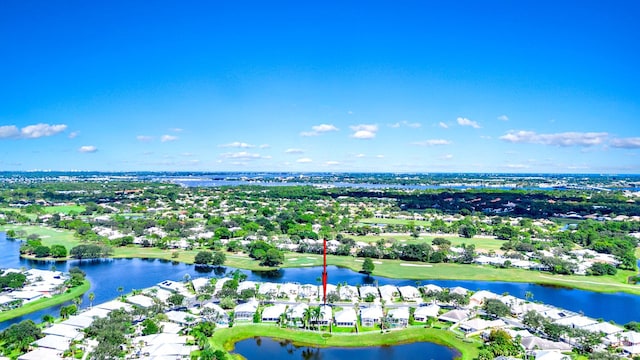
<point x="324" y="274"/>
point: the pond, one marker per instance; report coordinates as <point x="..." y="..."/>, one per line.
<point x="108" y="274"/>
<point x="267" y="348"/>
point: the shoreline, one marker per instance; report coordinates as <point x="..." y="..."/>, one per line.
<point x="225" y="339"/>
<point x="398" y="269"/>
<point x="45" y="303"/>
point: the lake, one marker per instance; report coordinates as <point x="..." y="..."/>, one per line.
<point x="267" y="348"/>
<point x="109" y="274"/>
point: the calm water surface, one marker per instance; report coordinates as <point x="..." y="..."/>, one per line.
<point x="267" y="348"/>
<point x="109" y="274"/>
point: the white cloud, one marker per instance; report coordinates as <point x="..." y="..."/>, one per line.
<point x="626" y="143"/>
<point x="177" y="130"/>
<point x="31" y="131"/>
<point x="466" y="122"/>
<point x="407" y="124"/>
<point x="74" y="134"/>
<point x="88" y="149"/>
<point x="144" y="138"/>
<point x="517" y="166"/>
<point x="304" y="160"/>
<point x="503" y="118"/>
<point x="331" y="163"/>
<point x="447" y="157"/>
<point x="167" y="138"/>
<point x="364" y="131"/>
<point x="443" y="125"/>
<point x="9" y="131"/>
<point x="360" y="155"/>
<point x="238" y="144"/>
<point x="380" y="156"/>
<point x="264" y="146"/>
<point x="294" y="151"/>
<point x="432" y="142"/>
<point x="319" y="129"/>
<point x="242" y="155"/>
<point x="558" y="139"/>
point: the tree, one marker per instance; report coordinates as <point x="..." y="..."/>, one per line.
<point x="467" y="231"/>
<point x="496" y="308"/>
<point x="58" y="251"/>
<point x="175" y="299"/>
<point x="92" y="297"/>
<point x="218" y="258"/>
<point x="149" y="327"/>
<point x="19" y="336"/>
<point x="203" y="258"/>
<point x="273" y="257"/>
<point x="368" y="266"/>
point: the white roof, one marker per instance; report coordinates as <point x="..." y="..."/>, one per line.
<point x="427" y="311"/>
<point x="431" y="287"/>
<point x="297" y="312"/>
<point x="459" y="290"/>
<point x="266" y="288"/>
<point x="79" y="321"/>
<point x="114" y="305"/>
<point x="409" y="292"/>
<point x="54" y="342"/>
<point x="372" y="312"/>
<point x="168" y="350"/>
<point x="366" y="290"/>
<point x="478" y="324"/>
<point x="243" y="285"/>
<point x="41" y="353"/>
<point x="181" y="317"/>
<point x="576" y="321"/>
<point x="67" y="331"/>
<point x="387" y="291"/>
<point x="96" y="312"/>
<point x="604" y="327"/>
<point x="199" y="283"/>
<point x="161" y="338"/>
<point x="140" y="300"/>
<point x="533" y="342"/>
<point x="273" y="312"/>
<point x="635" y="349"/>
<point x="454" y="315"/>
<point x="250" y="306"/>
<point x="399" y="313"/>
<point x="346" y="315"/>
<point x="550" y="355"/>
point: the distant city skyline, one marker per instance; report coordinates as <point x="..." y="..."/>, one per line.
<point x="409" y="86"/>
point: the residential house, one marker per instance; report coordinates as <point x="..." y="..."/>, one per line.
<point x="245" y="311"/>
<point x="388" y="293"/>
<point x="346" y="317"/>
<point x="455" y="316"/>
<point x="369" y="316"/>
<point x="273" y="313"/>
<point x="423" y="313"/>
<point x="398" y="317"/>
<point x="410" y="293"/>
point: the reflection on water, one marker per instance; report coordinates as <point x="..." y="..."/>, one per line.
<point x="263" y="348"/>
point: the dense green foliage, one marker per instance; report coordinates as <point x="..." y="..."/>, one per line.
<point x="18" y="337"/>
<point x="12" y="280"/>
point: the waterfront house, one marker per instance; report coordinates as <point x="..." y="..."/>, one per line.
<point x="531" y="343"/>
<point x="182" y="318"/>
<point x="245" y="311"/>
<point x="388" y="293"/>
<point x="369" y="316"/>
<point x="326" y="316"/>
<point x="422" y="313"/>
<point x="42" y="353"/>
<point x="348" y="293"/>
<point x="454" y="316"/>
<point x="430" y="288"/>
<point x="54" y="342"/>
<point x="346" y="317"/>
<point x="477" y="324"/>
<point x="296" y="314"/>
<point x="141" y="301"/>
<point x="409" y="293"/>
<point x="273" y="313"/>
<point x="369" y="291"/>
<point x="549" y="355"/>
<point x="398" y="317"/>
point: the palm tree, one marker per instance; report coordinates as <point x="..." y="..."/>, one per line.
<point x="92" y="297"/>
<point x="308" y="312"/>
<point x="120" y="290"/>
<point x="316" y="313"/>
<point x="528" y="295"/>
<point x="77" y="301"/>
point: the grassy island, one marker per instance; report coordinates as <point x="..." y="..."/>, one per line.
<point x="225" y="339"/>
<point x="46" y="302"/>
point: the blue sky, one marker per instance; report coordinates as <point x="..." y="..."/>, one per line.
<point x="403" y="86"/>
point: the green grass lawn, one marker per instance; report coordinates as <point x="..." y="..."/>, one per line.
<point x="224" y="339"/>
<point x="480" y="243"/>
<point x="45" y="303"/>
<point x="48" y="235"/>
<point x="65" y="209"/>
<point x="394" y="221"/>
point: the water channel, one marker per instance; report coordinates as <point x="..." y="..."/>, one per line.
<point x="263" y="348"/>
<point x="109" y="274"/>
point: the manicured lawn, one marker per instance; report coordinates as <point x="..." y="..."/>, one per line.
<point x="48" y="235"/>
<point x="65" y="209"/>
<point x="394" y="221"/>
<point x="45" y="303"/>
<point x="480" y="243"/>
<point x="225" y="338"/>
